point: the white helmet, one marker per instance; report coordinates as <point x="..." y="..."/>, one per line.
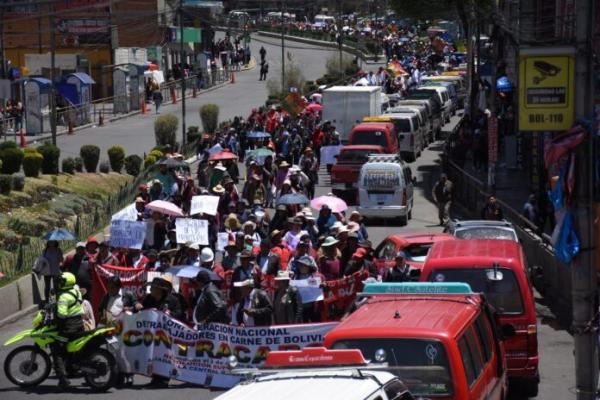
<point x="207" y="255"/>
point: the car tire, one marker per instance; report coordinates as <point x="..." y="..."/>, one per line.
<point x="403" y="220"/>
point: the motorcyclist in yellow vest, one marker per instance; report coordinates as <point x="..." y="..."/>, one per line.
<point x="69" y="320"/>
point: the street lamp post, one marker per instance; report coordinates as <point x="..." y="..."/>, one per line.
<point x="182" y="58"/>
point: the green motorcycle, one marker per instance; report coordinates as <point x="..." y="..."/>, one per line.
<point x="30" y="365"/>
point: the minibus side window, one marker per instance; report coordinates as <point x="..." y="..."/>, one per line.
<point x="471" y="357"/>
<point x="484" y="332"/>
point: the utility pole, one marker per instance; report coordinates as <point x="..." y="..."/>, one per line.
<point x="583" y="272"/>
<point x="182" y="59"/>
<point x="282" y="49"/>
<point x="3" y="66"/>
<point x="52" y="75"/>
<point x="340" y="39"/>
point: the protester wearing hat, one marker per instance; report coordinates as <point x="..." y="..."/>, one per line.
<point x="249" y="229"/>
<point x="400" y="271"/>
<point x="229" y="261"/>
<point x="350" y="247"/>
<point x="192" y="256"/>
<point x="267" y="262"/>
<point x="156" y="191"/>
<point x="325" y="220"/>
<point x="355" y="217"/>
<point x="279" y="247"/>
<point x="311" y="312"/>
<point x="140" y="208"/>
<point x="329" y="261"/>
<point x="253" y="307"/>
<point x="152" y="256"/>
<point x="218" y="190"/>
<point x="292" y="236"/>
<point x="143" y="193"/>
<point x="302" y="249"/>
<point x="287" y="302"/>
<point x="246" y="269"/>
<point x="91" y="247"/>
<point x="232" y="223"/>
<point x="161" y="297"/>
<point x="229" y="196"/>
<point x="254" y="189"/>
<point x="359" y="263"/>
<point x="279" y="220"/>
<point x="164" y="261"/>
<point x="210" y="306"/>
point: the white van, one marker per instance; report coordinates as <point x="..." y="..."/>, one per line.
<point x="410" y="137"/>
<point x="310" y="380"/>
<point x="443" y="97"/>
<point x="385" y="188"/>
<point x="420" y="112"/>
<point x="323" y="21"/>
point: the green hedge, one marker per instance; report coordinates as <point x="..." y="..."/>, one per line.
<point x="91" y="156"/>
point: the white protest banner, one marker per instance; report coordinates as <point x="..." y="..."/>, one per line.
<point x="153" y="343"/>
<point x="310" y="289"/>
<point x="191" y="230"/>
<point x="328" y="154"/>
<point x="222" y="240"/>
<point x="127" y="234"/>
<point x="129" y="213"/>
<point x="204" y="204"/>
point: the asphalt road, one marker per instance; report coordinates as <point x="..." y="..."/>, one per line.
<point x="136" y="133"/>
<point x="557" y="362"/>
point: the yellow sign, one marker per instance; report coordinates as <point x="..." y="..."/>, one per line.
<point x="546" y="92"/>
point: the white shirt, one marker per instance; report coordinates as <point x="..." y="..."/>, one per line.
<point x="114" y="306"/>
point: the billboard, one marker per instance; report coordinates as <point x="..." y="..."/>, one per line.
<point x="546" y="89"/>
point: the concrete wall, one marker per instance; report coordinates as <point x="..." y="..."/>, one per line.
<point x="20" y="296"/>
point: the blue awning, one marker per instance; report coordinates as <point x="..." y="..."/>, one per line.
<point x="42" y="82"/>
<point x="69" y="92"/>
<point x="83" y="77"/>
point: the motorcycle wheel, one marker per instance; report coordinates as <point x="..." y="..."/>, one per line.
<point x="27" y="366"/>
<point x="105" y="367"/>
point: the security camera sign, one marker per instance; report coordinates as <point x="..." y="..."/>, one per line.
<point x="546" y="89"/>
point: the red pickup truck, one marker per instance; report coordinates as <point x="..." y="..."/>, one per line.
<point x="344" y="174"/>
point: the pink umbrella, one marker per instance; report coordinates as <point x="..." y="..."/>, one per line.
<point x="222" y="156"/>
<point x="314" y="107"/>
<point x="335" y="203"/>
<point x="164" y="207"/>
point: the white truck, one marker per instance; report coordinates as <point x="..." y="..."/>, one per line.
<point x="344" y="106"/>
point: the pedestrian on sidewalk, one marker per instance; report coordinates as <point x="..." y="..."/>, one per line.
<point x="442" y="195"/>
<point x="157" y="96"/>
<point x="263" y="54"/>
<point x="264" y="70"/>
<point x="492" y="211"/>
<point x="530" y="209"/>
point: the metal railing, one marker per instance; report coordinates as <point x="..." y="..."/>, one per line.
<point x="550" y="277"/>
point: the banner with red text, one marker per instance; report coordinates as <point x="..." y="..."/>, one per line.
<point x="153" y="343"/>
<point x="132" y="279"/>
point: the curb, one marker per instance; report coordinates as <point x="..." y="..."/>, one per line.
<point x="18" y="315"/>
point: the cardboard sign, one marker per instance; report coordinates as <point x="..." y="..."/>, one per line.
<point x="191" y="230"/>
<point x="129" y="213"/>
<point x="127" y="234"/>
<point x="328" y="154"/>
<point x="204" y="204"/>
<point x="310" y="289"/>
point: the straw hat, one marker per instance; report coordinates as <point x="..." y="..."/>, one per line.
<point x="218" y="189"/>
<point x="232" y="222"/>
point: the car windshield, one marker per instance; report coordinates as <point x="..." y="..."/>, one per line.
<point x="502" y="292"/>
<point x="354" y="156"/>
<point x="486" y="232"/>
<point x="376" y="138"/>
<point x="422" y="365"/>
<point x="417" y="252"/>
